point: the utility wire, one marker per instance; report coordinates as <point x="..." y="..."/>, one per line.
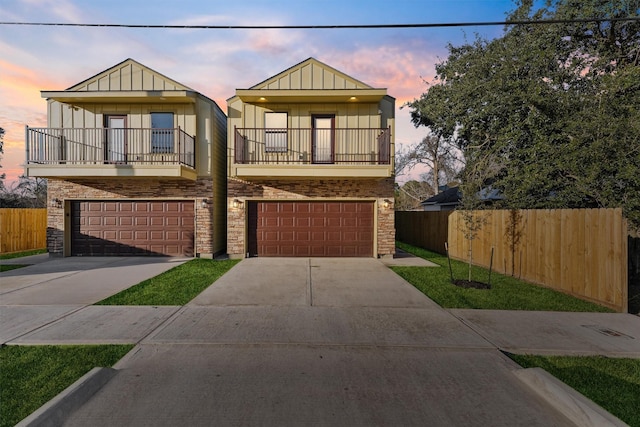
<point x="326" y="27"/>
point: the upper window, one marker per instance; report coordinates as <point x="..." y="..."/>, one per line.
<point x="275" y="139"/>
<point x="162" y="133"/>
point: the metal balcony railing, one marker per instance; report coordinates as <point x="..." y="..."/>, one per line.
<point x="93" y="146"/>
<point x="290" y="146"/>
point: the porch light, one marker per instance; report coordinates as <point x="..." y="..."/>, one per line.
<point x="386" y="204"/>
<point x="236" y="203"/>
<point x="353" y="98"/>
<point x="56" y="203"/>
<point x="262" y="98"/>
<point x="204" y="203"/>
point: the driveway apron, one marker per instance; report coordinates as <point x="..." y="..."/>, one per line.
<point x="314" y="342"/>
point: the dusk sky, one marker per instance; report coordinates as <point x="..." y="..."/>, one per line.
<point x="217" y="61"/>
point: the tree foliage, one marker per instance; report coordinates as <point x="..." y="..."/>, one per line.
<point x="554" y="109"/>
<point x="409" y="195"/>
<point x="25" y="193"/>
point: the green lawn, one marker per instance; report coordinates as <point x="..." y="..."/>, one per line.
<point x="12" y="267"/>
<point x="506" y="293"/>
<point x="30" y="376"/>
<point x="21" y="254"/>
<point x="612" y="383"/>
<point x="177" y="286"/>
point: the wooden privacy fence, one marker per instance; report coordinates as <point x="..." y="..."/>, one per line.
<point x="22" y="229"/>
<point x="582" y="252"/>
<point x="424" y="229"/>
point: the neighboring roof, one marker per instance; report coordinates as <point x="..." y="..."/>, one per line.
<point x="447" y="197"/>
<point x="453" y="195"/>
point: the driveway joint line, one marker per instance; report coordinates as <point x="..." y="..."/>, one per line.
<point x="164" y="323"/>
<point x="309" y="284"/>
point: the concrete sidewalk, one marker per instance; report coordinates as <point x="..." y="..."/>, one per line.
<point x="49" y="292"/>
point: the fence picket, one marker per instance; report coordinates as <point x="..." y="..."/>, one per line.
<point x="22" y="229"/>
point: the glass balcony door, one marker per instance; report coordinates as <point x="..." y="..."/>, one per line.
<point x="323" y="138"/>
<point x="116" y="149"/>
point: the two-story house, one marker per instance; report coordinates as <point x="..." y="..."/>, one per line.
<point x="135" y="163"/>
<point x="311" y="166"/>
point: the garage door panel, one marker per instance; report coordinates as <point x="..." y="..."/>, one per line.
<point x="314" y="228"/>
<point x="132" y="228"/>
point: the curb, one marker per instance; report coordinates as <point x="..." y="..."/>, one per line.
<point x="55" y="411"/>
<point x="575" y="406"/>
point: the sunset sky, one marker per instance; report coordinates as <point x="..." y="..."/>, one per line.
<point x="217" y="61"/>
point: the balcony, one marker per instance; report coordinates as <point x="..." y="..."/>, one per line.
<point x="110" y="152"/>
<point x="312" y="153"/>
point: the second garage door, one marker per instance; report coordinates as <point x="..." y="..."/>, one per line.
<point x="108" y="227"/>
<point x="317" y="229"/>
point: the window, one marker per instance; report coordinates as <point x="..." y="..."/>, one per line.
<point x="162" y="132"/>
<point x="275" y="139"/>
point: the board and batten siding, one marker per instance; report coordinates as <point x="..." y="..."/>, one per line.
<point x="129" y="76"/>
<point x="356" y="115"/>
<point x="138" y="115"/>
<point x="312" y="76"/>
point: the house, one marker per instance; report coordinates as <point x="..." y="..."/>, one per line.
<point x="310" y="166"/>
<point x="450" y="198"/>
<point x="135" y="163"/>
<point x="446" y="200"/>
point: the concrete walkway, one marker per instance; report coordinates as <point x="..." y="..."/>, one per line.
<point x="50" y="290"/>
<point x="325" y="342"/>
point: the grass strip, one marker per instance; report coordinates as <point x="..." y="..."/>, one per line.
<point x="23" y="253"/>
<point x="612" y="383"/>
<point x="12" y="267"/>
<point x="30" y="376"/>
<point x="506" y="293"/>
<point x="177" y="286"/>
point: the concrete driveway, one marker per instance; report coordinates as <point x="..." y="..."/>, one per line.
<point x="306" y="341"/>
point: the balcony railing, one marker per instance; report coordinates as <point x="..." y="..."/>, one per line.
<point x="87" y="146"/>
<point x="298" y="146"/>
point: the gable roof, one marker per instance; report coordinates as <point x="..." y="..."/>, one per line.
<point x="128" y="75"/>
<point x="310" y="81"/>
<point x="311" y="74"/>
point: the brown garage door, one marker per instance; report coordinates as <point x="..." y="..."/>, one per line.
<point x="319" y="229"/>
<point x="102" y="227"/>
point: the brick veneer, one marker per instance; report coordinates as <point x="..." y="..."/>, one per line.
<point x="304" y="189"/>
<point x="146" y="189"/>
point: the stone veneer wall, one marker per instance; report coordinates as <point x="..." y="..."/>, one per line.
<point x="146" y="189"/>
<point x="349" y="189"/>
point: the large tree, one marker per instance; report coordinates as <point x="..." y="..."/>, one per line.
<point x="555" y="107"/>
<point x="436" y="154"/>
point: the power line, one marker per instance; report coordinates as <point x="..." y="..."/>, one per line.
<point x="327" y="27"/>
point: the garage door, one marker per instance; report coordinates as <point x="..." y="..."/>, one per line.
<point x="101" y="227"/>
<point x="319" y="229"/>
